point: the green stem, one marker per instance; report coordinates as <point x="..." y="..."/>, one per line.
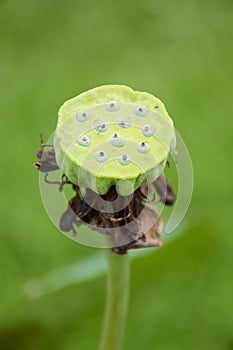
<point x="116" y="302"/>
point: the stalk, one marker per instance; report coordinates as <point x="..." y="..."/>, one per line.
<point x="116" y="301"/>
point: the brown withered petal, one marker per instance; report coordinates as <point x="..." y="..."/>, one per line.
<point x="137" y="225"/>
<point x="164" y="190"/>
<point x="148" y="234"/>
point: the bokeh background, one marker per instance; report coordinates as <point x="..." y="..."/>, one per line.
<point x="52" y="291"/>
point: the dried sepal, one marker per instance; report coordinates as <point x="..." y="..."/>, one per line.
<point x="47" y="159"/>
<point x="164" y="190"/>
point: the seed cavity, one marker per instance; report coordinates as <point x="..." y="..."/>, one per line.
<point x="141" y="111"/>
<point x="84" y="140"/>
<point x="100" y="125"/>
<point x="124" y="159"/>
<point x="117" y="141"/>
<point x="143" y="147"/>
<point x="124" y="123"/>
<point x="147" y="130"/>
<point x="101" y="156"/>
<point x="83" y="116"/>
<point x="112" y="106"/>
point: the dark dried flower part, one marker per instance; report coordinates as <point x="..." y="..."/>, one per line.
<point x="47" y="160"/>
<point x="137" y="225"/>
<point x="148" y="232"/>
<point x="164" y="190"/>
<point x="145" y="223"/>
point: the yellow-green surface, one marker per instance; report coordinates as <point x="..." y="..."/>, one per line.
<point x="79" y="162"/>
<point x="181" y="51"/>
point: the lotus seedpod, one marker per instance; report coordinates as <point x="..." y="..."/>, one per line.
<point x="113" y="135"/>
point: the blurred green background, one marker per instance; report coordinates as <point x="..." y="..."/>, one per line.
<point x="181" y="51"/>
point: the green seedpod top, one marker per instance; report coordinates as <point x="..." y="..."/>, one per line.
<point x="113" y="135"/>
